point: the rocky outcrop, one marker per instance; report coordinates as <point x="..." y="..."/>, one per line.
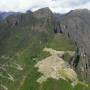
<point x="43" y="13"/>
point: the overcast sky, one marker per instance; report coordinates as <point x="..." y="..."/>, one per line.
<point x="61" y="6"/>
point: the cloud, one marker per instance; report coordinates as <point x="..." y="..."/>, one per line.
<point x="12" y="5"/>
<point x="67" y="5"/>
<point x="61" y="6"/>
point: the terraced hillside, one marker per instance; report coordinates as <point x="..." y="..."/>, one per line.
<point x="22" y="39"/>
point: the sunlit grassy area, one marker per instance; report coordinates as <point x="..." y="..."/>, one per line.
<point x="60" y="42"/>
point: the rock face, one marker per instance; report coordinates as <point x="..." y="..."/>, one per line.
<point x="76" y="26"/>
<point x="45" y="19"/>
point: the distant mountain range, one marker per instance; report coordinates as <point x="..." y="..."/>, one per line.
<point x="3" y="15"/>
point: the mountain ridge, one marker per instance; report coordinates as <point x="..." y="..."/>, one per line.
<point x="24" y="35"/>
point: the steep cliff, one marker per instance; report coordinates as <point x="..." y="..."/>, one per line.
<point x="23" y="37"/>
<point x="76" y="26"/>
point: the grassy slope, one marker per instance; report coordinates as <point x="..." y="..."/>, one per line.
<point x="60" y="42"/>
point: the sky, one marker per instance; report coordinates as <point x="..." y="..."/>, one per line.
<point x="59" y="6"/>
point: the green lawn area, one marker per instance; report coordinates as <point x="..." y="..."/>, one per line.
<point x="61" y="43"/>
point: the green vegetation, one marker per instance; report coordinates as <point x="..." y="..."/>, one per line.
<point x="66" y="57"/>
<point x="60" y="42"/>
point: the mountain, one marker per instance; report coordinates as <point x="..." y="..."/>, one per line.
<point x="43" y="13"/>
<point x="4" y="15"/>
<point x="76" y="26"/>
<point x="24" y="37"/>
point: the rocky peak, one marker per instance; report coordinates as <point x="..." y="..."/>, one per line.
<point x="29" y="11"/>
<point x="43" y="13"/>
<point x="78" y="12"/>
